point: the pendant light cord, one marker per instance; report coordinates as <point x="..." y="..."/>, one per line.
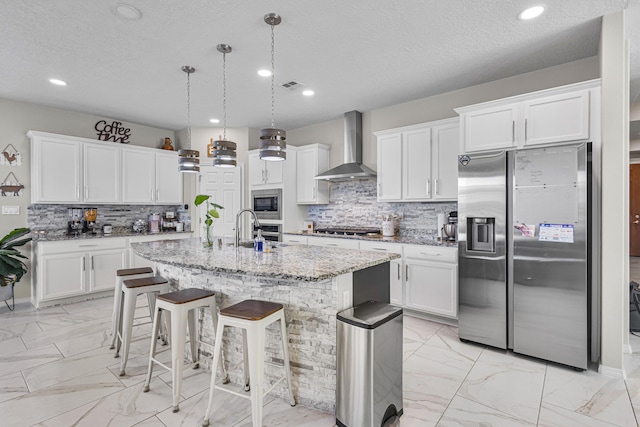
<point x="273" y="73"/>
<point x="224" y="96"/>
<point x="189" y="108"/>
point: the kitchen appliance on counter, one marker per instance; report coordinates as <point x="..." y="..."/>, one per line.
<point x="267" y="204"/>
<point x="271" y="232"/>
<point x="168" y="221"/>
<point x="139" y="225"/>
<point x="76" y="223"/>
<point x="450" y="228"/>
<point x="154" y="223"/>
<point x="90" y="216"/>
<point x="524" y="253"/>
<point x="349" y="231"/>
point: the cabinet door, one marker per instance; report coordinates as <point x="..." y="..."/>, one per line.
<point x="62" y="275"/>
<point x="257" y="174"/>
<point x="138" y="176"/>
<point x="432" y="287"/>
<point x="490" y="128"/>
<point x="273" y="172"/>
<point x="333" y="242"/>
<point x="168" y="179"/>
<point x="396" y="291"/>
<point x="416" y="165"/>
<point x="56" y="170"/>
<point x="445" y="161"/>
<point x="102" y="266"/>
<point x="101" y="173"/>
<point x="306" y="170"/>
<point x="557" y="118"/>
<point x="390" y="167"/>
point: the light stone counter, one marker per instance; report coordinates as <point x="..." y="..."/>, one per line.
<point x="411" y="240"/>
<point x="313" y="284"/>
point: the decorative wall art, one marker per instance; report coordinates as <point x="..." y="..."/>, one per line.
<point x="10" y="156"/>
<point x="11" y="186"/>
<point x="112" y="132"/>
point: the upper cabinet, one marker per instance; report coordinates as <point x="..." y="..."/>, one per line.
<point x="546" y="117"/>
<point x="312" y="160"/>
<point x="418" y="163"/>
<point x="66" y="169"/>
<point x="262" y="172"/>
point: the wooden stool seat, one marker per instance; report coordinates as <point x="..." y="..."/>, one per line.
<point x="134" y="271"/>
<point x="251" y="309"/>
<point x="145" y="281"/>
<point x="184" y="296"/>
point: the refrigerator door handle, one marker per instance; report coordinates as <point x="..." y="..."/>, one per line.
<point x="513" y="131"/>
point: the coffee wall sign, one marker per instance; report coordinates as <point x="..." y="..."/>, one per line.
<point x="112" y="132"/>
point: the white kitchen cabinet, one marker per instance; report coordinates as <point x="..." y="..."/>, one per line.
<point x="333" y="242"/>
<point x="101" y="173"/>
<point x="262" y="172"/>
<point x="168" y="179"/>
<point x="56" y="174"/>
<point x="418" y="163"/>
<point x="312" y="160"/>
<point x="431" y="279"/>
<point x="546" y="117"/>
<point x="76" y="268"/>
<point x="396" y="274"/>
<point x="138" y="176"/>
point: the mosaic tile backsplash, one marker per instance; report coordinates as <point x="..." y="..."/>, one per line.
<point x="354" y="204"/>
<point x="53" y="218"/>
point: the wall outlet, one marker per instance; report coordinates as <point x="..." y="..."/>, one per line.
<point x="11" y="210"/>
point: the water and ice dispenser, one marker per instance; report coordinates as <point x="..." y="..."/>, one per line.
<point x="481" y="236"/>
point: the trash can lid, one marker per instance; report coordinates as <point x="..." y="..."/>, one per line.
<point x="370" y="314"/>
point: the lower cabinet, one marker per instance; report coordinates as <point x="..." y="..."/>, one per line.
<point x="333" y="242"/>
<point x="74" y="268"/>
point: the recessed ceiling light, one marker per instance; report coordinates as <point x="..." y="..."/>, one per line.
<point x="264" y="73"/>
<point x="308" y="92"/>
<point x="126" y="11"/>
<point x="58" y="82"/>
<point x="532" y="12"/>
<point x="214" y="120"/>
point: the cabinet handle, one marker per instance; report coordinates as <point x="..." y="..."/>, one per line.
<point x="406" y="272"/>
<point x="513" y="131"/>
<point x="86" y="246"/>
<point x="313" y="192"/>
<point x="428" y="186"/>
<point x="91" y="262"/>
<point x="151" y="194"/>
<point x="525" y="130"/>
<point x="77" y="191"/>
<point x="83" y="258"/>
<point x="86" y="192"/>
<point x="424" y="253"/>
<point x="263" y="178"/>
<point x="398" y="271"/>
<point x="379" y="189"/>
<point x="380" y="249"/>
<point x="157" y="195"/>
<point x="436" y="181"/>
<point x="332" y="244"/>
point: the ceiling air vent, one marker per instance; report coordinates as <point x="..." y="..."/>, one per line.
<point x="292" y="85"/>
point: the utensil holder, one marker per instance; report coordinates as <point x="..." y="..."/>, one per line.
<point x="388" y="229"/>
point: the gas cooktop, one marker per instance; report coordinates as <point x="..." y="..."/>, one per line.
<point x="349" y="231"/>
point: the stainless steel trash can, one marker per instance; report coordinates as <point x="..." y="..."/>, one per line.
<point x="369" y="365"/>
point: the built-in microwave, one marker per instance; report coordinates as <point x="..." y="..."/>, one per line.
<point x="267" y="204"/>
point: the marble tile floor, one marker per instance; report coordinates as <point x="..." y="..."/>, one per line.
<point x="56" y="370"/>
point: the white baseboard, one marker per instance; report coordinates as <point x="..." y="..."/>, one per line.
<point x="612" y="372"/>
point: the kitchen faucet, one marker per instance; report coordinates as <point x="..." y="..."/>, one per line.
<point x="255" y="221"/>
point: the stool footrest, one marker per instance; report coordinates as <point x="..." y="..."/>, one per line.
<point x="235" y="393"/>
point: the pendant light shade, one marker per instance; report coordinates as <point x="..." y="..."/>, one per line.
<point x="188" y="159"/>
<point x="224" y="151"/>
<point x="272" y="141"/>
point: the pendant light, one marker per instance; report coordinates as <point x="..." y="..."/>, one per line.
<point x="272" y="141"/>
<point x="188" y="159"/>
<point x="224" y="151"/>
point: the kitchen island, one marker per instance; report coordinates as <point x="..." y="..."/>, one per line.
<point x="313" y="283"/>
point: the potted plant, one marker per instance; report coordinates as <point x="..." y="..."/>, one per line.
<point x="210" y="214"/>
<point x="12" y="268"/>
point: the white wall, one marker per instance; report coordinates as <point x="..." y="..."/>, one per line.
<point x="614" y="60"/>
<point x="17" y="118"/>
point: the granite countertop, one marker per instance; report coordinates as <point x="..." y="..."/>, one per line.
<point x="297" y="262"/>
<point x="411" y="240"/>
<point x="53" y="236"/>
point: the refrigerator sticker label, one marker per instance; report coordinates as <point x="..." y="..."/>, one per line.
<point x="556" y="233"/>
<point x="527" y="230"/>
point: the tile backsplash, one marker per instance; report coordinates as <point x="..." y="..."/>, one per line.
<point x="54" y="217"/>
<point x="354" y="204"/>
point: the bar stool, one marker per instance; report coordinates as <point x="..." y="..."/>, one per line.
<point x="131" y="289"/>
<point x="116" y="319"/>
<point x="181" y="307"/>
<point x="253" y="316"/>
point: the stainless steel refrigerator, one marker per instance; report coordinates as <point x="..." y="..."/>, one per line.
<point x="524" y="254"/>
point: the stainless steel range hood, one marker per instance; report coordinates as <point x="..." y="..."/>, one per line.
<point x="352" y="168"/>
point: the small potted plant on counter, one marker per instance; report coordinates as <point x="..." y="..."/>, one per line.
<point x="211" y="213"/>
<point x="12" y="268"/>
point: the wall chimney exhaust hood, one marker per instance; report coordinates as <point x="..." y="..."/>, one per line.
<point x="352" y="168"/>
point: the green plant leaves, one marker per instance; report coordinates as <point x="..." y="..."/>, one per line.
<point x="10" y="264"/>
<point x="201" y="198"/>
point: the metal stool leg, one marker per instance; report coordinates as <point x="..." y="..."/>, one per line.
<point x="285" y="351"/>
<point x="193" y="340"/>
<point x="216" y="359"/>
<point x="245" y="361"/>
<point x="178" y="328"/>
<point x="256" y="338"/>
<point x="152" y="351"/>
<point x="115" y="317"/>
<point x="127" y="327"/>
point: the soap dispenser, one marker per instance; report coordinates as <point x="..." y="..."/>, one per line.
<point x="258" y="243"/>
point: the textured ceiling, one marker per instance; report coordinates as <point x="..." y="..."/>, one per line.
<point x="355" y="54"/>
